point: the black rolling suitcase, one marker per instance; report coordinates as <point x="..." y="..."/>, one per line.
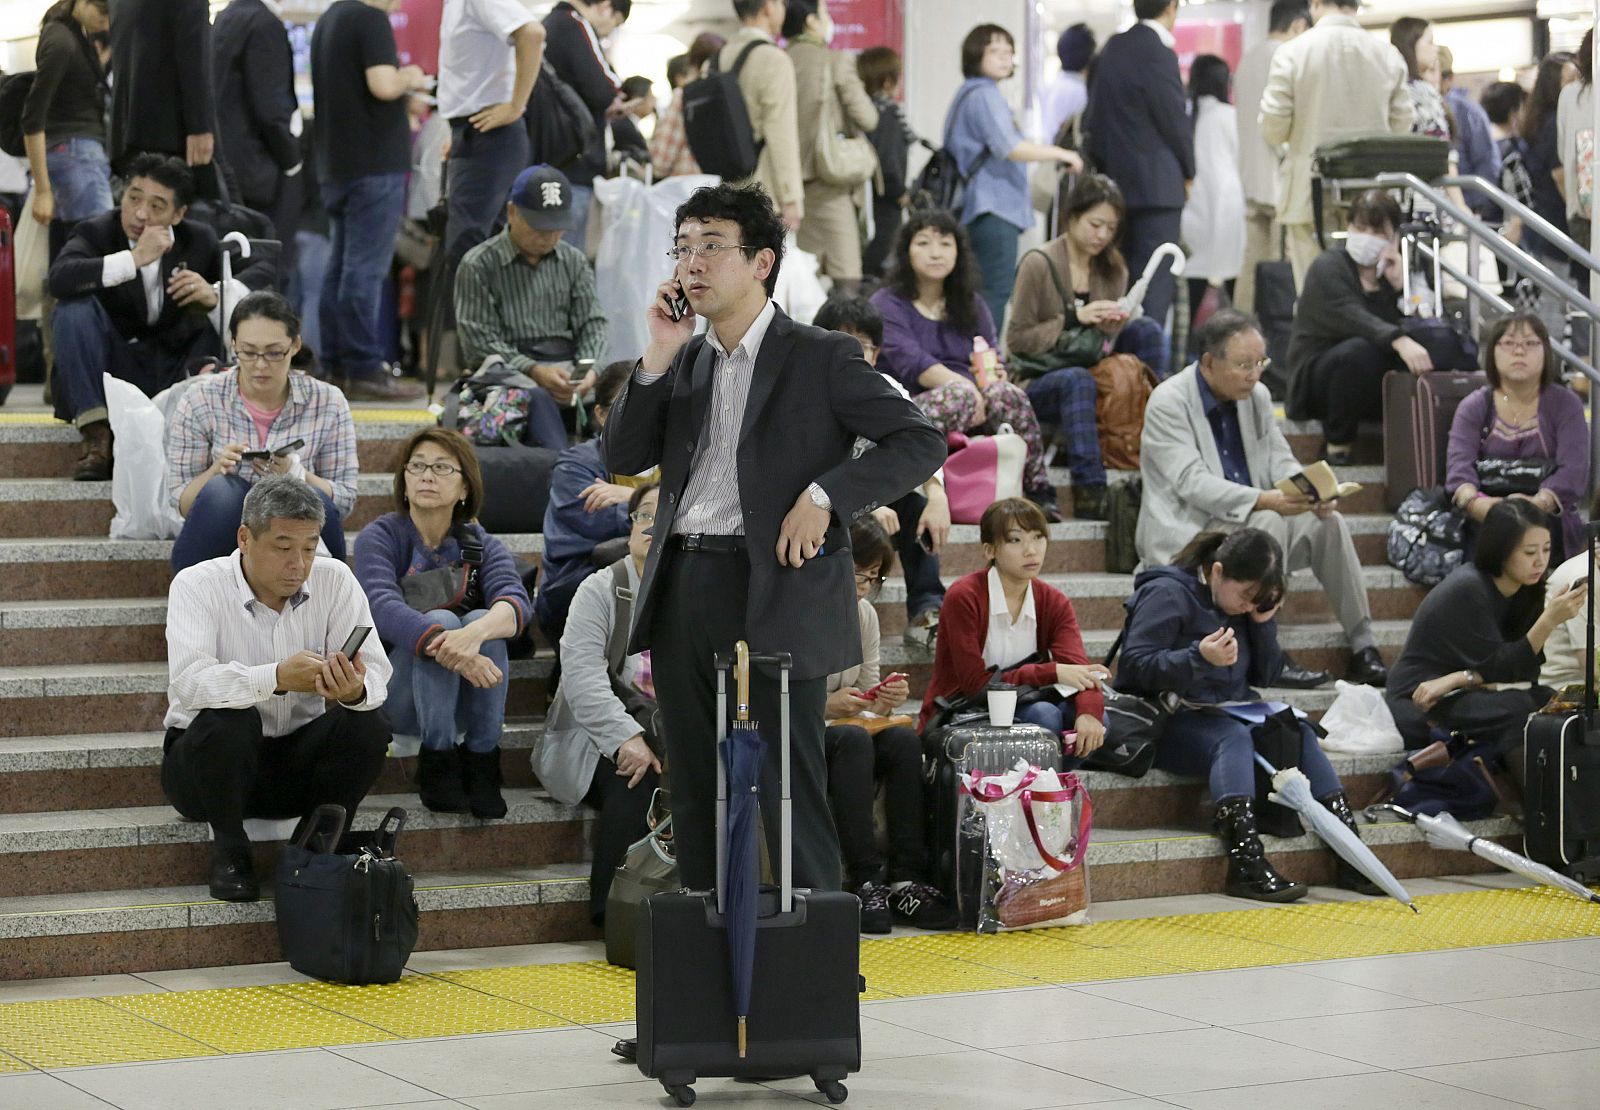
<point x="1417" y="413"/>
<point x="805" y="1016"/>
<point x="956" y="838"/>
<point x="1561" y="787"/>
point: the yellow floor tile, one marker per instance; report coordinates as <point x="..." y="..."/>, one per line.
<point x="67" y="1033"/>
<point x="586" y="993"/>
<point x="896" y="968"/>
<point x="9" y="1065"/>
<point x="248" y="1019"/>
<point x="421" y="1006"/>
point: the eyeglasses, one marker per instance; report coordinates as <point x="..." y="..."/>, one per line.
<point x="870" y="581"/>
<point x="1247" y="367"/>
<point x="439" y="469"/>
<point x="642" y="516"/>
<point x="274" y="357"/>
<point x="1518" y="346"/>
<point x="708" y="251"/>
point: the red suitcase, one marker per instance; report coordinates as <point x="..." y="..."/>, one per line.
<point x="8" y="307"/>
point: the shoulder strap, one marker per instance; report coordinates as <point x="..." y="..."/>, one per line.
<point x="1488" y="414"/>
<point x="949" y="125"/>
<point x="617" y="645"/>
<point x="1055" y="276"/>
<point x="738" y="63"/>
<point x="93" y="59"/>
<point x="1116" y="645"/>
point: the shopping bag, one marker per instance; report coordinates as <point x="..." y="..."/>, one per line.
<point x="1036" y="825"/>
<point x="981" y="470"/>
<point x="1359" y="722"/>
<point x="799" y="292"/>
<point x="32" y="242"/>
<point x="139" y="470"/>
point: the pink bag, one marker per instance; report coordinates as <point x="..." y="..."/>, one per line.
<point x="982" y="470"/>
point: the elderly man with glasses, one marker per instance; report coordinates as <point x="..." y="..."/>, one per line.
<point x="1212" y="454"/>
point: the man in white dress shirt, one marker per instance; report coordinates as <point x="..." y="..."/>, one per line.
<point x="266" y="716"/>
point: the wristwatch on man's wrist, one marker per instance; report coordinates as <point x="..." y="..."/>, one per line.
<point x="819" y="497"/>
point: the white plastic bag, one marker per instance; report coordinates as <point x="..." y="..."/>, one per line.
<point x="1359" y="722"/>
<point x="139" y="466"/>
<point x="799" y="292"/>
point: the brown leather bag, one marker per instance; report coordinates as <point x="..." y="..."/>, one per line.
<point x="1124" y="385"/>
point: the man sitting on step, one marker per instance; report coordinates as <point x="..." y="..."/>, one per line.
<point x="267" y="717"/>
<point x="1211" y="453"/>
<point x="138" y="300"/>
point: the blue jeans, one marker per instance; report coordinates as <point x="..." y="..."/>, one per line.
<point x="303" y="286"/>
<point x="483" y="166"/>
<point x="80" y="178"/>
<point x="88" y="345"/>
<point x="428" y="701"/>
<point x="211" y="530"/>
<point x="363" y="216"/>
<point x="994" y="245"/>
<point x="1051" y="717"/>
<point x="1219" y="748"/>
<point x="582" y="200"/>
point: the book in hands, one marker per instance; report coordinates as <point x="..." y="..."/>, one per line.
<point x="1319" y="483"/>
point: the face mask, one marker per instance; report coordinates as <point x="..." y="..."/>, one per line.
<point x="1365" y="249"/>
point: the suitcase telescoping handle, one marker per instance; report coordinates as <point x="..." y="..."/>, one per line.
<point x="1591" y="535"/>
<point x="740" y="664"/>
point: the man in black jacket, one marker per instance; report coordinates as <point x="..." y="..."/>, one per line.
<point x="161" y="97"/>
<point x="753" y="427"/>
<point x="1139" y="135"/>
<point x="135" y="287"/>
<point x="258" y="115"/>
<point x="572" y="47"/>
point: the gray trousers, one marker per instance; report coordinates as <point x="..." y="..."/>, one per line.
<point x="1260" y="245"/>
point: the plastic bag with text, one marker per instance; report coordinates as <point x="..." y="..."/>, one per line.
<point x="1036" y="825"/>
<point x="139" y="466"/>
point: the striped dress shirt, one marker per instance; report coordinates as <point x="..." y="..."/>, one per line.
<point x="224" y="645"/>
<point x="503" y="304"/>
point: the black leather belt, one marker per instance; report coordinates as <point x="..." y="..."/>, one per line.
<point x="714" y="545"/>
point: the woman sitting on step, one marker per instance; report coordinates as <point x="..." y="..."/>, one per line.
<point x="1485" y="625"/>
<point x="233" y="428"/>
<point x="1206" y="629"/>
<point x="445" y="597"/>
<point x="1008" y="623"/>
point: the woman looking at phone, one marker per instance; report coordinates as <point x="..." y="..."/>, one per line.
<point x="233" y="428"/>
<point x="894" y="889"/>
<point x="1206" y="629"/>
<point x="1485" y="626"/>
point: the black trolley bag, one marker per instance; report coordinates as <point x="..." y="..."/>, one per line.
<point x="1561" y="788"/>
<point x="805" y="1016"/>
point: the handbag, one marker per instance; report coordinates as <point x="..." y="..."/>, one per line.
<point x="1426" y="539"/>
<point x="649" y="867"/>
<point x="1447" y="776"/>
<point x="1077" y="345"/>
<point x="347" y="910"/>
<point x="1134" y="726"/>
<point x="1503" y="477"/>
<point x="1123" y="386"/>
<point x="840" y="159"/>
<point x="1278" y="739"/>
<point x="456" y="589"/>
<point x="1037" y="825"/>
<point x="981" y="470"/>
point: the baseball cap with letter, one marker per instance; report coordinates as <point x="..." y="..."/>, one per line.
<point x="543" y="197"/>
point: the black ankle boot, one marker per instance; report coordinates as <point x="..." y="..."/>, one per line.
<point x="1249" y="873"/>
<point x="1344" y="875"/>
<point x="439" y="781"/>
<point x="481" y="773"/>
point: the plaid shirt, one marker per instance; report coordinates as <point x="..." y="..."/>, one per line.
<point x="212" y="412"/>
<point x="669" y="144"/>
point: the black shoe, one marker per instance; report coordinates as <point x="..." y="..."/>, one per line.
<point x="1339" y="456"/>
<point x="1367" y="669"/>
<point x="1298" y="678"/>
<point x="921" y="906"/>
<point x="439" y="784"/>
<point x="233" y="876"/>
<point x="1046" y="500"/>
<point x="1249" y="873"/>
<point x="480" y="772"/>
<point x="384" y="388"/>
<point x="627" y="1048"/>
<point x="1089" y="502"/>
<point x="875" y="915"/>
<point x="1344" y="875"/>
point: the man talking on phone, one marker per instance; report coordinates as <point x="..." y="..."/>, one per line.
<point x="267" y="716"/>
<point x="753" y="425"/>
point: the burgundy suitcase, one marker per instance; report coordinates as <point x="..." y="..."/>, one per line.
<point x="1417" y="411"/>
<point x="8" y="307"/>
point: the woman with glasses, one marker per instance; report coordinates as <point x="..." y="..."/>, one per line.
<point x="259" y="418"/>
<point x="859" y="758"/>
<point x="445" y="598"/>
<point x="1523" y="435"/>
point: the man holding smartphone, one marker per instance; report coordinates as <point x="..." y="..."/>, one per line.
<point x="268" y="716"/>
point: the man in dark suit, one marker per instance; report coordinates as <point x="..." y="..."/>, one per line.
<point x="134" y="288"/>
<point x="1140" y="135"/>
<point x="258" y="116"/>
<point x="752" y="426"/>
<point x="161" y="97"/>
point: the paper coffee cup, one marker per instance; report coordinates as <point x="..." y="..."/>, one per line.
<point x="1002" y="707"/>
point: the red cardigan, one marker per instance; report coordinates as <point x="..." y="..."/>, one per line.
<point x="958" y="666"/>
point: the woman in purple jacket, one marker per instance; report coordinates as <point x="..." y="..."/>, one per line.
<point x="932" y="317"/>
<point x="1525" y="413"/>
<point x="450" y="662"/>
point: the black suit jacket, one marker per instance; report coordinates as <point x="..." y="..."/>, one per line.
<point x="253" y="66"/>
<point x="77" y="270"/>
<point x="1138" y="120"/>
<point x="161" y="66"/>
<point x="811" y="395"/>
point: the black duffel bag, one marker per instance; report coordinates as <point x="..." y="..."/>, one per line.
<point x="346" y="908"/>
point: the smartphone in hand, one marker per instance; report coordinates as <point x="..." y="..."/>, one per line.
<point x="357" y="638"/>
<point x="872" y="694"/>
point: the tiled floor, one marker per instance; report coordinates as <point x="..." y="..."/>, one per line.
<point x="1511" y="1025"/>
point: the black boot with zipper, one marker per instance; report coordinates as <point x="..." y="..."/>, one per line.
<point x="481" y="773"/>
<point x="1249" y="873"/>
<point x="439" y="781"/>
<point x="1344" y="875"/>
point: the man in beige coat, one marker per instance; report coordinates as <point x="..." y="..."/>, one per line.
<point x="1334" y="80"/>
<point x="767" y="82"/>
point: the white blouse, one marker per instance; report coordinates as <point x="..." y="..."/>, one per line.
<point x="1008" y="642"/>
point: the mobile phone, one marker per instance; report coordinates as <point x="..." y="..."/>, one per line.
<point x="357" y="638"/>
<point x="288" y="448"/>
<point x="256" y="455"/>
<point x="873" y="693"/>
<point x="678" y="306"/>
<point x="580" y="369"/>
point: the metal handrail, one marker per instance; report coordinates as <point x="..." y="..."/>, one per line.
<point x="1547" y="230"/>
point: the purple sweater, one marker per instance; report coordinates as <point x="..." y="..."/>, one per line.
<point x="1563" y="436"/>
<point x="912" y="342"/>
<point x="390" y="548"/>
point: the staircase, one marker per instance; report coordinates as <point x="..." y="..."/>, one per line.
<point x="98" y="875"/>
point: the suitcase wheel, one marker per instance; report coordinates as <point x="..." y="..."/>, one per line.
<point x="833" y="1089"/>
<point x="682" y="1094"/>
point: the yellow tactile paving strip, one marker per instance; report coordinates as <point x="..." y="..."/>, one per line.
<point x="162" y="1026"/>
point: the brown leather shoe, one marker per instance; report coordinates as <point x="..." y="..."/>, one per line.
<point x="95" y="463"/>
<point x="384" y="388"/>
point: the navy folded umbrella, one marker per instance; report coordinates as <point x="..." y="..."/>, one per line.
<point x="743" y="753"/>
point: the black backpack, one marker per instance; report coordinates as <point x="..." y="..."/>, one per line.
<point x="14" y="90"/>
<point x="716" y="121"/>
<point x="941" y="184"/>
<point x="560" y="126"/>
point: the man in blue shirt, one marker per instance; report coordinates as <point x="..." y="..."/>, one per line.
<point x="1479" y="154"/>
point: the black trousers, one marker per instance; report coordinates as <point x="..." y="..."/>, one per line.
<point x="222" y="770"/>
<point x="887" y="216"/>
<point x="623" y="821"/>
<point x="1492" y="719"/>
<point x="1347" y="386"/>
<point x="699" y="614"/>
<point x="857" y="762"/>
<point x="924" y="590"/>
<point x="1147" y="229"/>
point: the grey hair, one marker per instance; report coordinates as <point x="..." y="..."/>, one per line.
<point x="281" y="498"/>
